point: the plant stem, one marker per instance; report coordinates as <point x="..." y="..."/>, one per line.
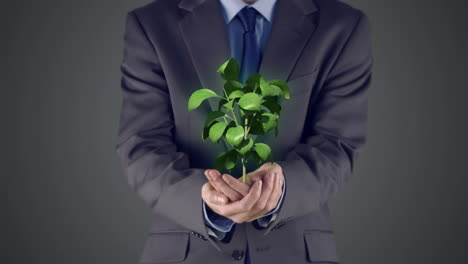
<point x="247" y="128"/>
<point x="232" y="109"/>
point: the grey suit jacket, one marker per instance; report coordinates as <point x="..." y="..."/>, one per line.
<point x="322" y="48"/>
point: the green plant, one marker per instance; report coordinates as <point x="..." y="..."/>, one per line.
<point x="243" y="110"/>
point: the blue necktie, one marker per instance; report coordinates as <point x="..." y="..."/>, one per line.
<point x="251" y="55"/>
<point x="251" y="58"/>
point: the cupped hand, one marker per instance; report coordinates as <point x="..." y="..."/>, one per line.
<point x="268" y="202"/>
<point x="224" y="190"/>
<point x="237" y="211"/>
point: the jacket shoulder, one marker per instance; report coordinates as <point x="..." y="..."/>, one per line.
<point x="340" y="12"/>
<point x="339" y="17"/>
<point x="156" y="8"/>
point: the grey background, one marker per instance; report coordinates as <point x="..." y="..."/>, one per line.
<point x="67" y="200"/>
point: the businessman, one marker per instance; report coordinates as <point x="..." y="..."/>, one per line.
<point x="322" y="48"/>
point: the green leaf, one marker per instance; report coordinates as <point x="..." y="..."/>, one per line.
<point x="236" y="94"/>
<point x="248" y="154"/>
<point x="269" y="121"/>
<point x="226" y="160"/>
<point x="284" y="87"/>
<point x="263" y="150"/>
<point x="220" y="161"/>
<point x="252" y="81"/>
<point x="273" y="99"/>
<point x="199" y="96"/>
<point x="256" y="127"/>
<point x="255" y="89"/>
<point x="257" y="158"/>
<point x="231" y="159"/>
<point x="217" y="131"/>
<point x="220" y="103"/>
<point x="245" y="146"/>
<point x="270" y="115"/>
<point x="274" y="107"/>
<point x="269" y="90"/>
<point x="229" y="105"/>
<point x="273" y="90"/>
<point x="250" y="101"/>
<point x="231" y="86"/>
<point x="229" y="70"/>
<point x="248" y="113"/>
<point x="232" y="124"/>
<point x="234" y="135"/>
<point x="206" y="130"/>
<point x="213" y="116"/>
<point x="269" y="125"/>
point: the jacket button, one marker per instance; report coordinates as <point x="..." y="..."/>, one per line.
<point x="237" y="254"/>
<point x="198" y="235"/>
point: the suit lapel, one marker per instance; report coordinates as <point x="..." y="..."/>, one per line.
<point x="289" y="33"/>
<point x="204" y="32"/>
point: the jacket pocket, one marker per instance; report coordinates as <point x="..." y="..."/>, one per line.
<point x="320" y="246"/>
<point x="165" y="247"/>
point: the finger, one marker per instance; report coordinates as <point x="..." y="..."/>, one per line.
<point x="247" y="216"/>
<point x="211" y="174"/>
<point x="247" y="202"/>
<point x="210" y="195"/>
<point x="243" y="205"/>
<point x="259" y="172"/>
<point x="264" y="167"/>
<point x="257" y="175"/>
<point x="236" y="184"/>
<point x="273" y="201"/>
<point x="266" y="192"/>
<point x="220" y="185"/>
<point x="261" y="203"/>
<point x="265" y="199"/>
<point x="252" y="197"/>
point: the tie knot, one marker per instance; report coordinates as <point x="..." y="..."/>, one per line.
<point x="247" y="17"/>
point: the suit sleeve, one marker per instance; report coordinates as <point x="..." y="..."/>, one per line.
<point x="218" y="224"/>
<point x="155" y="168"/>
<point x="317" y="167"/>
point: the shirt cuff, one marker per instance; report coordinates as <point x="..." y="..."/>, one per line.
<point x="220" y="224"/>
<point x="270" y="216"/>
<point x="215" y="233"/>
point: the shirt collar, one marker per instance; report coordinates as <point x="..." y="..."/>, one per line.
<point x="232" y="7"/>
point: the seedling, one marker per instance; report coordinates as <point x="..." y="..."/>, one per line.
<point x="243" y="110"/>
